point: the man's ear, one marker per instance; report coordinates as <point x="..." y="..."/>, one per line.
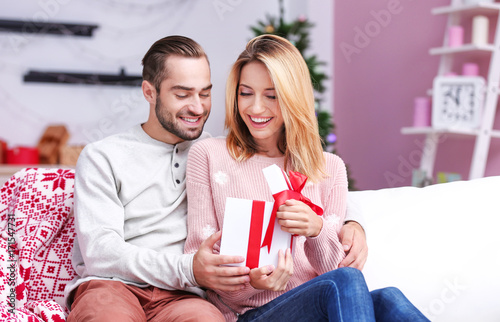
<point x="149" y="91"/>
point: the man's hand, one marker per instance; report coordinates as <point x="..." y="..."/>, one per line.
<point x="209" y="273"/>
<point x="274" y="279"/>
<point x="352" y="236"/>
<point x="295" y="217"/>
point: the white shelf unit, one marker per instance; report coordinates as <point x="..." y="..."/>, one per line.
<point x="485" y="132"/>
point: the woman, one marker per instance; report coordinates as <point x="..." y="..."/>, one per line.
<point x="270" y="119"/>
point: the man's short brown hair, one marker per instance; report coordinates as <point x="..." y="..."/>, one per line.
<point x="154" y="69"/>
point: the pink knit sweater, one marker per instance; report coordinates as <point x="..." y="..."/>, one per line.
<point x="212" y="176"/>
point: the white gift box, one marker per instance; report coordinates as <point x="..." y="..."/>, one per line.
<point x="246" y="222"/>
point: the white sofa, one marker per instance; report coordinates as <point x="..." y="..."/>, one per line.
<point x="440" y="245"/>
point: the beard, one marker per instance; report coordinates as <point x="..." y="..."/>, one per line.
<point x="170" y="123"/>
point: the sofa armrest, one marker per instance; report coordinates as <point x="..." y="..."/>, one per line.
<point x="438" y="244"/>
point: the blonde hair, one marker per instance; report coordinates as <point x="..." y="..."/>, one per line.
<point x="300" y="141"/>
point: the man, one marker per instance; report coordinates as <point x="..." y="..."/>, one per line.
<point x="130" y="206"/>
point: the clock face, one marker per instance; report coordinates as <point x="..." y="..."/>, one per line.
<point x="457" y="102"/>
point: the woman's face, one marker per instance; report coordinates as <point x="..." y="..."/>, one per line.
<point x="258" y="106"/>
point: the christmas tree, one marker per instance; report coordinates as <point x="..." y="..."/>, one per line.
<point x="297" y="32"/>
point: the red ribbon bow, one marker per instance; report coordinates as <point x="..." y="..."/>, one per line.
<point x="297" y="181"/>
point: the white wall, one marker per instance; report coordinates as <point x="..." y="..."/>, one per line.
<point x="320" y="12"/>
<point x="127" y="28"/>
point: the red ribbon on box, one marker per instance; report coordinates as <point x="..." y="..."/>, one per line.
<point x="256" y="226"/>
<point x="295" y="184"/>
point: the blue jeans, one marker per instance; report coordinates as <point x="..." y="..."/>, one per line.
<point x="339" y="295"/>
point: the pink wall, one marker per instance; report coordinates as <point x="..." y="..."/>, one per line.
<point x="381" y="64"/>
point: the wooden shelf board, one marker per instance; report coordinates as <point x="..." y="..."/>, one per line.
<point x="42" y="28"/>
<point x="461" y="49"/>
<point x="120" y="79"/>
<point x="473" y="9"/>
<point x="495" y="134"/>
<point x="430" y="130"/>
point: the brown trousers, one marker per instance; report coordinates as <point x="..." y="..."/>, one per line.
<point x="108" y="301"/>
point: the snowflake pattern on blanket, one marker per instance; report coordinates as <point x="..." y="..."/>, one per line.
<point x="36" y="238"/>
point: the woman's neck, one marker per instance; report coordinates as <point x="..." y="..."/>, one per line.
<point x="273" y="152"/>
<point x="269" y="147"/>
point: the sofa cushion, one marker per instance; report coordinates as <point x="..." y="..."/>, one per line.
<point x="37" y="233"/>
<point x="439" y="245"/>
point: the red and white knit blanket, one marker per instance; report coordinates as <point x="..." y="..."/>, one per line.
<point x="36" y="238"/>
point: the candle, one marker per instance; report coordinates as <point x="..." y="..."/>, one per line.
<point x="480" y="26"/>
<point x="470" y="69"/>
<point x="455" y="36"/>
<point x="422" y="112"/>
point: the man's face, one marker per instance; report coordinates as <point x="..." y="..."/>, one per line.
<point x="184" y="101"/>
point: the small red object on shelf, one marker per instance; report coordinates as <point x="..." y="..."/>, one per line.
<point x="22" y="155"/>
<point x="3" y="152"/>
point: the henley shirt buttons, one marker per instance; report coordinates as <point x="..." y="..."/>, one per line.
<point x="176" y="165"/>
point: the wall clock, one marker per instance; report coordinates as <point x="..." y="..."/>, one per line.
<point x="457" y="102"/>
